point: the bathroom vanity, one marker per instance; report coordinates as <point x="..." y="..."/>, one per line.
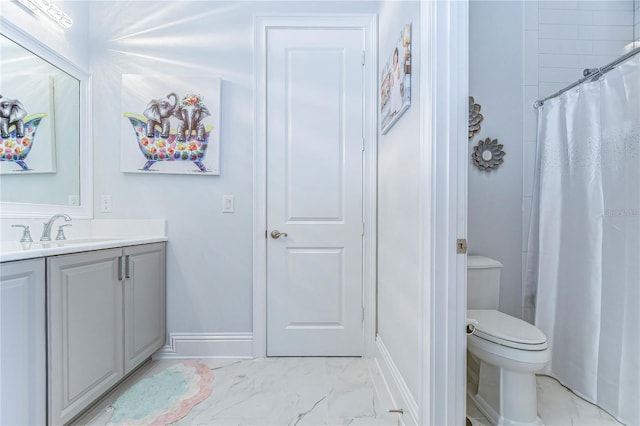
<point x="87" y="311"/>
<point x="23" y="343"/>
<point x="77" y="315"/>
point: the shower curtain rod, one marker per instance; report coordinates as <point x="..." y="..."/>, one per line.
<point x="589" y="73"/>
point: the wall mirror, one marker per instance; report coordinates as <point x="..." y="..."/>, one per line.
<point x="45" y="142"/>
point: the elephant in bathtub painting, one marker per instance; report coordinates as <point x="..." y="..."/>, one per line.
<point x="173" y="134"/>
<point x="17" y="132"/>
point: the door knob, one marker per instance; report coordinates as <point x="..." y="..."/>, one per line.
<point x="275" y="234"/>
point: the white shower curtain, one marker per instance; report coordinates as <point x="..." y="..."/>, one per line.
<point x="583" y="262"/>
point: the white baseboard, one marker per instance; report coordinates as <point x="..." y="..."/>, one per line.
<point x="207" y="345"/>
<point x="397" y="387"/>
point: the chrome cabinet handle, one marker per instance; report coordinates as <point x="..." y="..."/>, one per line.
<point x="275" y="234"/>
<point x="120" y="268"/>
<point x="127" y="263"/>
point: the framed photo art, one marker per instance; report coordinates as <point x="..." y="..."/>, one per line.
<point x="171" y="124"/>
<point x="395" y="81"/>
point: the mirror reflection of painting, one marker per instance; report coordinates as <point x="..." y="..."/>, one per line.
<point x="25" y="111"/>
<point x="174" y="132"/>
<point x="11" y="114"/>
<point x="40" y="127"/>
<point x="395" y="81"/>
<point x="17" y="132"/>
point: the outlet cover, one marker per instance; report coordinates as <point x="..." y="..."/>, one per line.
<point x="105" y="204"/>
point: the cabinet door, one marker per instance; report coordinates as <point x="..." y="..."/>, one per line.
<point x="144" y="302"/>
<point x="85" y="330"/>
<point x="22" y="343"/>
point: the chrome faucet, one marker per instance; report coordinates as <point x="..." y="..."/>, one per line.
<point x="46" y="231"/>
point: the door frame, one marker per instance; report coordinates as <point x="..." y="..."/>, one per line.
<point x="262" y="24"/>
<point x="444" y="134"/>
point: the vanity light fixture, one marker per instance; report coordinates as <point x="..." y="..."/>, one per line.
<point x="48" y="8"/>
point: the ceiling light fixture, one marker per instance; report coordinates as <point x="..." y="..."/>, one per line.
<point x="49" y="9"/>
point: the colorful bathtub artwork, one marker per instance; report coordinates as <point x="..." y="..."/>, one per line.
<point x="16" y="149"/>
<point x="158" y="148"/>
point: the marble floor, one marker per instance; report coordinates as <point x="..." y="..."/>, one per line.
<point x="323" y="391"/>
<point x="557" y="406"/>
<point x="278" y="391"/>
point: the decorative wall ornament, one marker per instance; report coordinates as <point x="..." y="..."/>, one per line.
<point x="474" y="117"/>
<point x="395" y="81"/>
<point x="487" y="154"/>
<point x="173" y="133"/>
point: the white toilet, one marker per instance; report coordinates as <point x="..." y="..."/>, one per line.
<point x="510" y="351"/>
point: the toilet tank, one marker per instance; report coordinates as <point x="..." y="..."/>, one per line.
<point x="483" y="282"/>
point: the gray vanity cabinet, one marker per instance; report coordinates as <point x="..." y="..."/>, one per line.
<point x="85" y="330"/>
<point x="106" y="316"/>
<point x="144" y="303"/>
<point x="22" y="343"/>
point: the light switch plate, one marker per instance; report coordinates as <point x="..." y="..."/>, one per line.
<point x="227" y="204"/>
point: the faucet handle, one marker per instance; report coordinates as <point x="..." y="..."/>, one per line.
<point x="61" y="235"/>
<point x="26" y="235"/>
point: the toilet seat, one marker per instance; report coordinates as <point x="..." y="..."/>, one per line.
<point x="497" y="327"/>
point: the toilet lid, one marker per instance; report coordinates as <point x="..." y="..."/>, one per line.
<point x="507" y="330"/>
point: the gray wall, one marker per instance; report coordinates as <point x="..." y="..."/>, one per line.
<point x="398" y="184"/>
<point x="209" y="270"/>
<point x="637" y="20"/>
<point x="495" y="197"/>
<point x="538" y="48"/>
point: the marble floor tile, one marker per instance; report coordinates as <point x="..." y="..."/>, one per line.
<point x="557" y="406"/>
<point x="323" y="391"/>
<point x="475" y="416"/>
<point x="279" y="391"/>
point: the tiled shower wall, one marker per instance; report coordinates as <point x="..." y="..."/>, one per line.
<point x="561" y="39"/>
<point x="637" y="20"/>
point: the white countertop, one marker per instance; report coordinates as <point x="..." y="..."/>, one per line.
<point x="97" y="235"/>
<point x="10" y="250"/>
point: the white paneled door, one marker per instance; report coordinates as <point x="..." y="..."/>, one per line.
<point x="314" y="191"/>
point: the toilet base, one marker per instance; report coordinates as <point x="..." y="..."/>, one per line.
<point x="487" y="411"/>
<point x="506" y="397"/>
